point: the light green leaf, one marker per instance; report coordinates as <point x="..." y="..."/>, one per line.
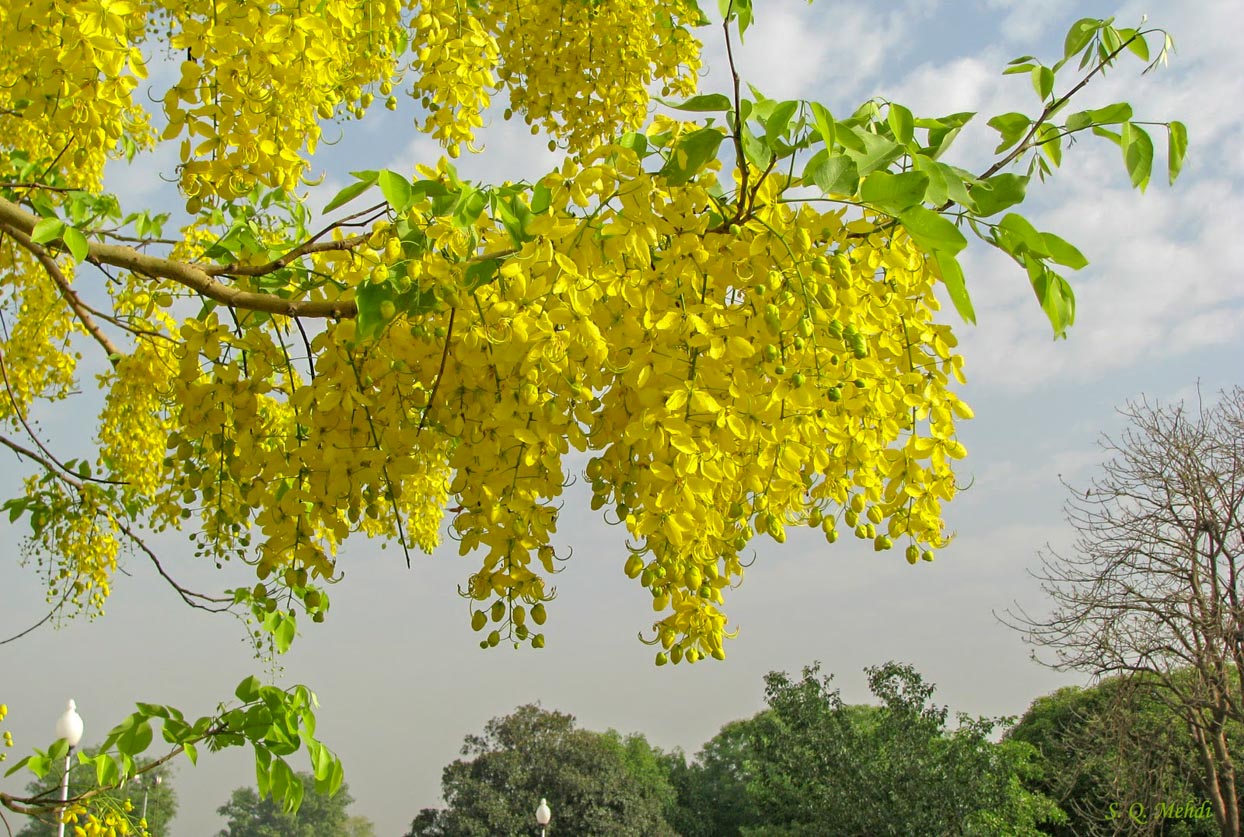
<point x="952" y="277"/>
<point x="1011" y="127"/>
<point x="892" y="193"/>
<point x="691" y="154"/>
<point x="932" y="231"/>
<point x="77" y="244"/>
<point x="704" y="103"/>
<point x="106" y="771"/>
<point x="779" y="121"/>
<point x="1049" y="141"/>
<point x="999" y="192"/>
<point x="878" y="152"/>
<point x="396" y="190"/>
<point x="901" y="123"/>
<point x="352" y="191"/>
<point x="1063" y="252"/>
<point x="248" y="689"/>
<point x="47" y="229"/>
<point x="1024" y="233"/>
<point x="1176" y="148"/>
<point x="1137" y="154"/>
<point x="635" y="141"/>
<point x="754" y="148"/>
<point x="1079" y="36"/>
<point x="1043" y="82"/>
<point x="1055" y="295"/>
<point x="834" y="174"/>
<point x="824" y="123"/>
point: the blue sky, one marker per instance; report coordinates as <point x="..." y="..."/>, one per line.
<point x="397" y="669"/>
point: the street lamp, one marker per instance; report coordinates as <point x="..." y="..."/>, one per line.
<point x="155" y="779"/>
<point x="543" y="815"/>
<point x="68" y="727"/>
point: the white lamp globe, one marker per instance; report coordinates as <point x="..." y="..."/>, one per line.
<point x="69" y="725"/>
<point x="543" y="814"/>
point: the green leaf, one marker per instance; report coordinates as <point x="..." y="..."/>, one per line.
<point x="1025" y="233"/>
<point x="834" y="174"/>
<point x="47" y="229"/>
<point x="1055" y="295"/>
<point x="541" y="196"/>
<point x="1018" y="68"/>
<point x="482" y="273"/>
<point x="283" y="632"/>
<point x="754" y="149"/>
<point x="1049" y="141"/>
<point x="1139" y="47"/>
<point x="691" y="154"/>
<point x="396" y="190"/>
<point x="106" y="770"/>
<point x="878" y="152"/>
<point x="352" y="191"/>
<point x="1079" y="35"/>
<point x="1176" y="148"/>
<point x="19" y="765"/>
<point x="892" y="193"/>
<point x="901" y="123"/>
<point x="76" y="243"/>
<point x="824" y="123"/>
<point x="1063" y="252"/>
<point x="999" y="192"/>
<point x="1111" y="114"/>
<point x="778" y="122"/>
<point x="1137" y="154"/>
<point x="635" y="141"/>
<point x="952" y="277"/>
<point x="470" y="204"/>
<point x="704" y="103"/>
<point x="370" y="299"/>
<point x="248" y="689"/>
<point x="932" y="231"/>
<point x="1043" y="82"/>
<point x="1011" y="127"/>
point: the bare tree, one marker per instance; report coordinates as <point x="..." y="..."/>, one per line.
<point x="1152" y="587"/>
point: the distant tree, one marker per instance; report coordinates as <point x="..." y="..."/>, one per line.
<point x="596" y="783"/>
<point x="161" y="798"/>
<point x="318" y="816"/>
<point x="816" y="766"/>
<point x="713" y="799"/>
<point x="1110" y="747"/>
<point x="1154" y="584"/>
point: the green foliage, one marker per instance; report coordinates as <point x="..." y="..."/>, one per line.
<point x="320" y="814"/>
<point x="1111" y="746"/>
<point x="161" y="797"/>
<point x="812" y="765"/>
<point x="275" y="722"/>
<point x="595" y="783"/>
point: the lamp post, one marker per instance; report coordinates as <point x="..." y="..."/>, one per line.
<point x="68" y="727"/>
<point x="155" y="779"/>
<point x="543" y="815"/>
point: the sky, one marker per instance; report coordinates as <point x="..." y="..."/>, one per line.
<point x="396" y="666"/>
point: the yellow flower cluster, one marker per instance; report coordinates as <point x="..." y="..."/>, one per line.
<point x="8" y="736"/>
<point x="35" y="354"/>
<point x="70" y="71"/>
<point x="111" y="821"/>
<point x="582" y="69"/>
<point x="455" y="58"/>
<point x="258" y="78"/>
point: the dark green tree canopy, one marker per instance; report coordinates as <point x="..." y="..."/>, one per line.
<point x="595" y="783"/>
